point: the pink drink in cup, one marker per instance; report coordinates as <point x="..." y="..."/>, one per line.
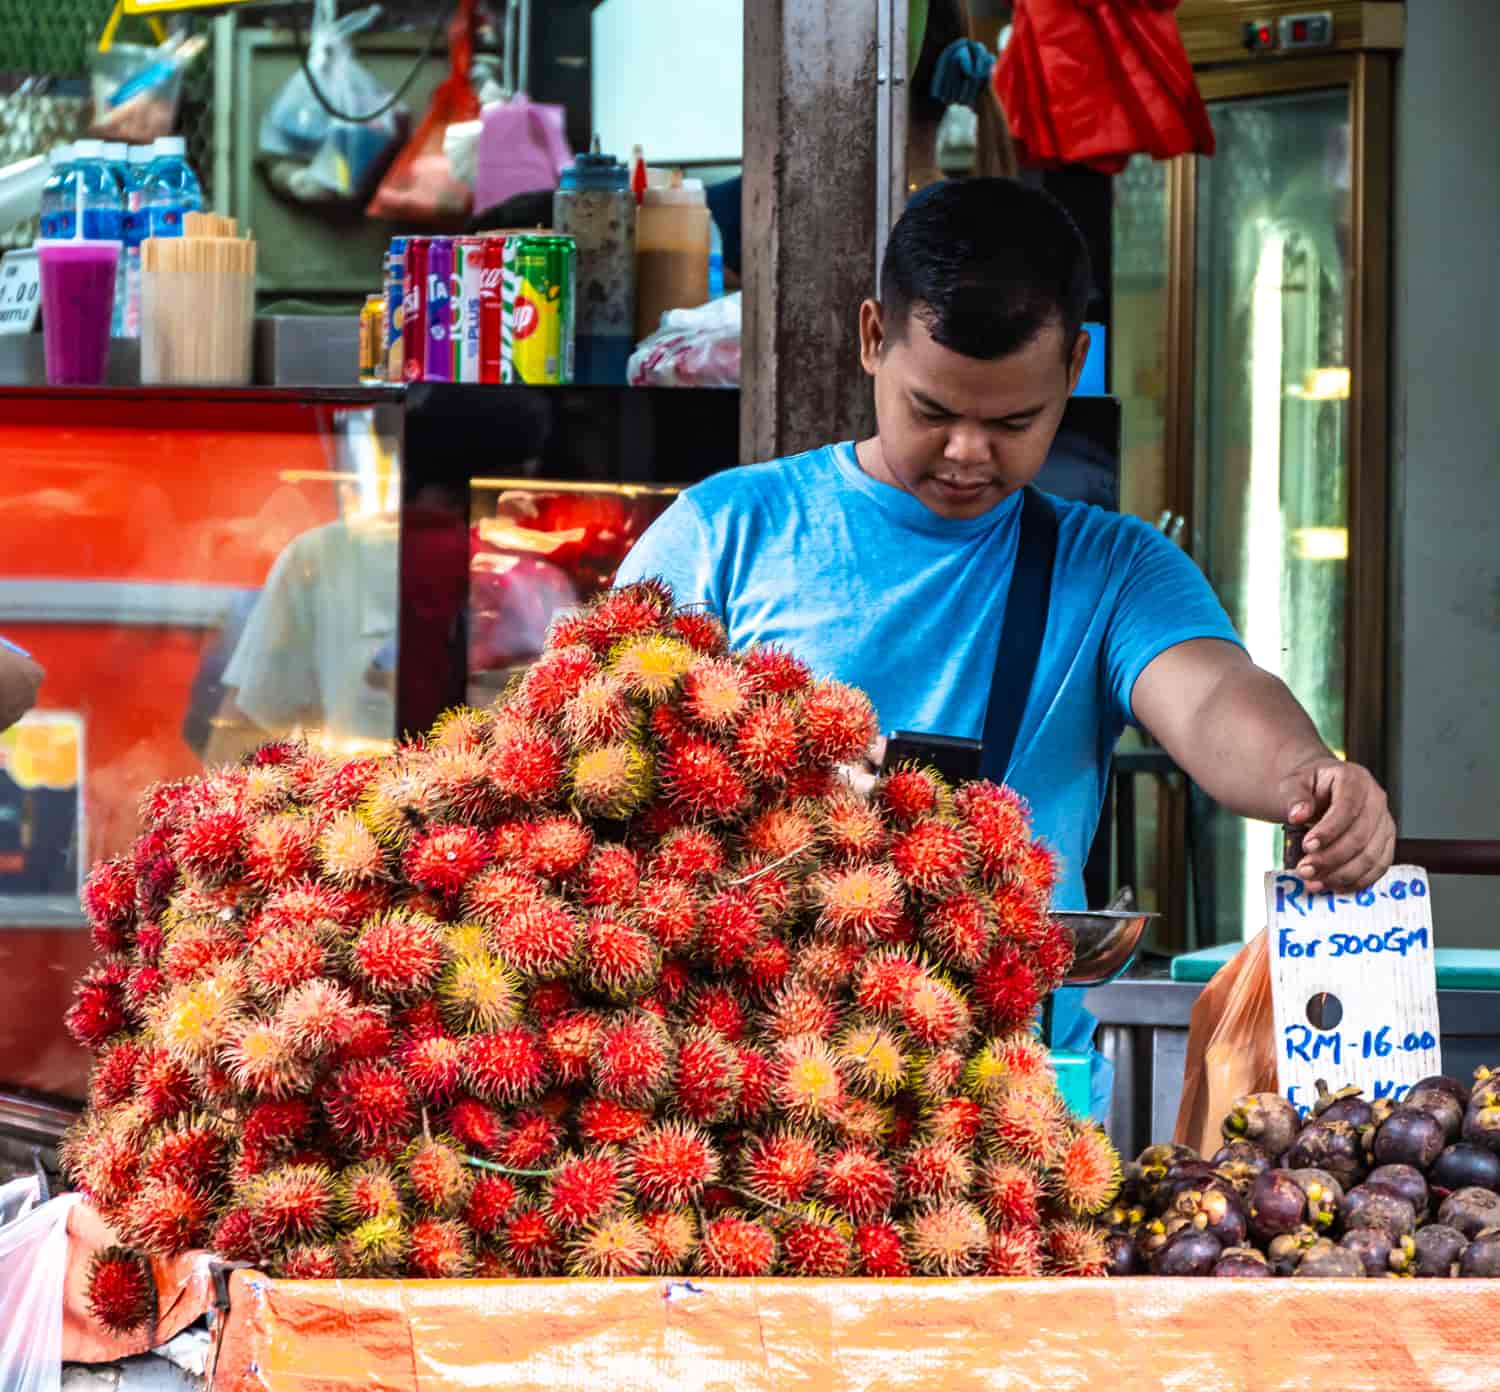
<point x="78" y="298"/>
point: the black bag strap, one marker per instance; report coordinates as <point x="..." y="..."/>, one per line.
<point x="1026" y="609"/>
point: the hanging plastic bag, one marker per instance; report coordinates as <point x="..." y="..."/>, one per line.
<point x="314" y="156"/>
<point x="1231" y="1048"/>
<point x="19" y="1196"/>
<point x="33" y="1268"/>
<point x="421" y="186"/>
<point x="523" y="148"/>
<point x="692" y="348"/>
<point x="137" y="89"/>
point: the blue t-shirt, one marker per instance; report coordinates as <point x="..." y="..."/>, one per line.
<point x="865" y="583"/>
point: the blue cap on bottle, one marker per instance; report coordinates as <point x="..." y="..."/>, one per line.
<point x="593" y="172"/>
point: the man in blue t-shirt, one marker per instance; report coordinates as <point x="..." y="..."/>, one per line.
<point x="887" y="563"/>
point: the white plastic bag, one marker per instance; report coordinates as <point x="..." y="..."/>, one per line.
<point x="18" y="1197"/>
<point x="692" y="348"/>
<point x="33" y="1267"/>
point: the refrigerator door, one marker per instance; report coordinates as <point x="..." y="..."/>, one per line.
<point x="1270" y="430"/>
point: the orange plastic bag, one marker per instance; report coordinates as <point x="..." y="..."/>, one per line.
<point x="420" y="186"/>
<point x="1231" y="1048"/>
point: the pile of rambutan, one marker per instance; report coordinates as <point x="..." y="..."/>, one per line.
<point x="618" y="976"/>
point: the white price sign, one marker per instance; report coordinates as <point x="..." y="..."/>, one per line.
<point x="20" y="291"/>
<point x="1353" y="985"/>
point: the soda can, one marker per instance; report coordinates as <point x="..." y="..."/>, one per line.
<point x="372" y="340"/>
<point x="414" y="309"/>
<point x="467" y="327"/>
<point x="438" y="366"/>
<point x="395" y="296"/>
<point x="541" y="316"/>
<point x="490" y="311"/>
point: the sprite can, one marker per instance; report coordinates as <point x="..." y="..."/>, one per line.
<point x="537" y="288"/>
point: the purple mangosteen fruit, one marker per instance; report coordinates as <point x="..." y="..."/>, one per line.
<point x="1190" y="1252"/>
<point x="1324" y="1195"/>
<point x="1370" y="1206"/>
<point x="1439" y="1082"/>
<point x="1470" y="1211"/>
<point x="1266" y="1118"/>
<point x="1335" y="1146"/>
<point x="1121" y="1255"/>
<point x="1382" y="1254"/>
<point x="1438" y="1249"/>
<point x="1326" y="1260"/>
<point x="1465" y="1166"/>
<point x="1442" y="1107"/>
<point x="1405" y="1180"/>
<point x="1347" y="1104"/>
<point x="1482" y="1125"/>
<point x="1482" y="1256"/>
<point x="1410" y="1136"/>
<point x="1242" y="1262"/>
<point x="1277" y="1205"/>
<point x="1285" y="1251"/>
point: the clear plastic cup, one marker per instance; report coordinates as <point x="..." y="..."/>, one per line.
<point x="78" y="299"/>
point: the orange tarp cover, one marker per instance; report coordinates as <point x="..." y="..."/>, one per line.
<point x="1228" y="1336"/>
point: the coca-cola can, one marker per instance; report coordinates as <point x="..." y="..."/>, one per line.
<point x="414" y="309"/>
<point x="491" y="308"/>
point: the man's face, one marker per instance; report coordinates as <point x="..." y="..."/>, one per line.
<point x="962" y="434"/>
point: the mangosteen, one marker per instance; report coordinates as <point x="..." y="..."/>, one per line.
<point x="1438" y="1249"/>
<point x="1334" y="1146"/>
<point x="1381" y="1109"/>
<point x="1155" y="1161"/>
<point x="1277" y="1205"/>
<point x="1482" y="1256"/>
<point x="1214" y="1210"/>
<point x="1465" y="1166"/>
<point x="1124" y="1219"/>
<point x="1440" y="1082"/>
<point x="1324" y="1195"/>
<point x="1379" y="1251"/>
<point x="1242" y="1262"/>
<point x="1470" y="1210"/>
<point x="1120" y="1255"/>
<point x="1410" y="1136"/>
<point x="1190" y="1252"/>
<point x="1406" y="1181"/>
<point x="1189" y="1174"/>
<point x="1347" y="1104"/>
<point x="1325" y="1259"/>
<point x="1241" y="1163"/>
<point x="1482" y="1125"/>
<point x="1442" y="1107"/>
<point x="1266" y="1118"/>
<point x="1153" y="1236"/>
<point x="1370" y="1206"/>
<point x="1285" y="1251"/>
<point x="1486" y="1089"/>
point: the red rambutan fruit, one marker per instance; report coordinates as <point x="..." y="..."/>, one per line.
<point x="142" y="989"/>
<point x="880" y="1251"/>
<point x="838" y="722"/>
<point x="491" y="1265"/>
<point x="757" y="1080"/>
<point x="803" y="1008"/>
<point x="959" y="929"/>
<point x="583" y="1188"/>
<point x="445" y="859"/>
<point x="234" y="1238"/>
<point x="718" y="1008"/>
<point x="211" y="847"/>
<point x="347" y="783"/>
<point x="858" y="1183"/>
<point x="531" y="1141"/>
<point x="1021" y="916"/>
<point x="479" y="992"/>
<point x="614" y="1245"/>
<point x="935" y="1170"/>
<point x="194" y="1153"/>
<point x="539" y="939"/>
<point x="650" y="668"/>
<point x="673" y="982"/>
<point x="494" y="894"/>
<point x="610" y="878"/>
<point x="1038" y="869"/>
<point x="1013" y="1059"/>
<point x="935" y="1012"/>
<point x="303" y="907"/>
<point x="114" y="1077"/>
<point x="318" y="1016"/>
<point x="1086" y="1172"/>
<point x="873" y="1057"/>
<point x="460" y="790"/>
<point x="672" y="1163"/>
<point x="781" y="1167"/>
<point x="279" y="850"/>
<point x="167" y="1217"/>
<point x="775" y="894"/>
<point x="625" y="613"/>
<point x="510" y="839"/>
<point x="557" y="847"/>
<point x="398" y="955"/>
<point x="768" y="743"/>
<point x="852" y="829"/>
<point x="439" y="1249"/>
<point x="150" y="937"/>
<point x="706" y="1081"/>
<point x="863" y="1122"/>
<point x="782" y="832"/>
<point x="475" y="1125"/>
<point x="436" y="1174"/>
<point x="96" y="1013"/>
<point x="828" y="960"/>
<point x="936" y="1073"/>
<point x="552" y="680"/>
<point x="816" y="1243"/>
<point x="290" y="1205"/>
<point x="432" y="1063"/>
<point x="1052" y="956"/>
<point x="734" y="1245"/>
<point x="197" y="947"/>
<point x="121" y="1290"/>
<point x="689" y="855"/>
<point x="526" y="763"/>
<point x="1030" y="1125"/>
<point x="701" y="630"/>
<point x="492" y="1198"/>
<point x="155" y="881"/>
<point x="957" y="1119"/>
<point x="856" y="901"/>
<point x="569" y="1041"/>
<point x="672" y="1237"/>
<point x="109" y="903"/>
<point x="619" y="960"/>
<point x="1010" y="1194"/>
<point x="599" y="712"/>
<point x="369" y="1190"/>
<point x="883" y="980"/>
<point x="278" y="1122"/>
<point x="546" y="1000"/>
<point x="632" y="1058"/>
<point x="1005" y="988"/>
<point x="286" y="957"/>
<point x="933" y="855"/>
<point x="368" y="1101"/>
<point x="911" y="792"/>
<point x="1013" y="1251"/>
<point x="947" y="1239"/>
<point x="461" y="727"/>
<point x="717" y="694"/>
<point x="532" y="1243"/>
<point x="668" y="910"/>
<point x="776" y="670"/>
<point x="732" y="927"/>
<point x="1074" y="1249"/>
<point x="506" y="1066"/>
<point x="601" y="1121"/>
<point x="164" y="1086"/>
<point x="766" y="968"/>
<point x="668" y="727"/>
<point x="700" y="779"/>
<point x="196" y="1018"/>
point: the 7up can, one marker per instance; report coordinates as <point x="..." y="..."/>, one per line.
<point x="537" y="289"/>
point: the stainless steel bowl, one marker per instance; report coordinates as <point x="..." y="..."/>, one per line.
<point x="1104" y="943"/>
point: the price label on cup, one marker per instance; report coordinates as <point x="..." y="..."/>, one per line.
<point x="1353" y="985"/>
<point x="20" y="291"/>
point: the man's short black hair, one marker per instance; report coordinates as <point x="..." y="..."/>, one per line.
<point x="985" y="264"/>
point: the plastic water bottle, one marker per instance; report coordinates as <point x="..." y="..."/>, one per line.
<point x="115" y="157"/>
<point x="93" y="203"/>
<point x="52" y="190"/>
<point x="172" y="189"/>
<point x="137" y="229"/>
